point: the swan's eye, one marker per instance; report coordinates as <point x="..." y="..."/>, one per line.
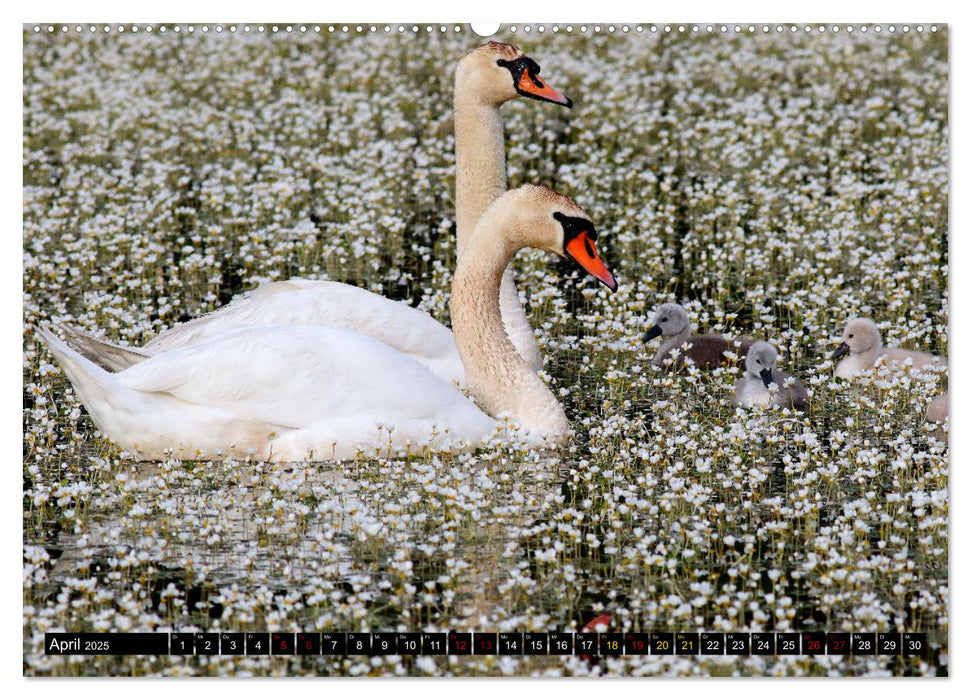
<point x="850" y="335"/>
<point x="664" y="320"/>
<point x="758" y="362"/>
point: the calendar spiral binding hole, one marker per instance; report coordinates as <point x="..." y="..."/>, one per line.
<point x="520" y="29"/>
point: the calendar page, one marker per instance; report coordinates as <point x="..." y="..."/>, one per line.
<point x="590" y="349"/>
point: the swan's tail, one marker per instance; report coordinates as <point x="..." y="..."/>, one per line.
<point x="94" y="385"/>
<point x="112" y="357"/>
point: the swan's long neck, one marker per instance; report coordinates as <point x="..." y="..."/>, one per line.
<point x="675" y="341"/>
<point x="494" y="371"/>
<point x="480" y="161"/>
<point x="480" y="178"/>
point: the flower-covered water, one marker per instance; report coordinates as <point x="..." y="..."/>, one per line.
<point x="774" y="183"/>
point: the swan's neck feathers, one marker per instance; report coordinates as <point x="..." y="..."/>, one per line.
<point x="495" y="372"/>
<point x="516" y="323"/>
<point x="480" y="161"/>
<point x="480" y="179"/>
<point x="861" y="361"/>
<point x="874" y="350"/>
<point x="675" y="341"/>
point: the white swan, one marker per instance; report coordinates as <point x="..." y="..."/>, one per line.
<point x="486" y="78"/>
<point x="288" y="392"/>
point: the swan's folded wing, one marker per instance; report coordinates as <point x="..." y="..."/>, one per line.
<point x="296" y="376"/>
<point x="324" y="303"/>
<point x="269" y="304"/>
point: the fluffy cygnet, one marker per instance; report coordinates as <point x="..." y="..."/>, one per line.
<point x="705" y="352"/>
<point x="937" y="409"/>
<point x="862" y="346"/>
<point x="764" y="384"/>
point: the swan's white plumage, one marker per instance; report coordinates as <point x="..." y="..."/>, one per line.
<point x="282" y="391"/>
<point x="321" y="303"/>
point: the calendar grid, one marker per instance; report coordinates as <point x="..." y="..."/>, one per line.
<point x="653" y="643"/>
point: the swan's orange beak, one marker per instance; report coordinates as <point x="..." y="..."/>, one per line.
<point x="581" y="248"/>
<point x="531" y="85"/>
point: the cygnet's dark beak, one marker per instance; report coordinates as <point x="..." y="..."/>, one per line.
<point x="653" y="333"/>
<point x="766" y="375"/>
<point x="842" y="350"/>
